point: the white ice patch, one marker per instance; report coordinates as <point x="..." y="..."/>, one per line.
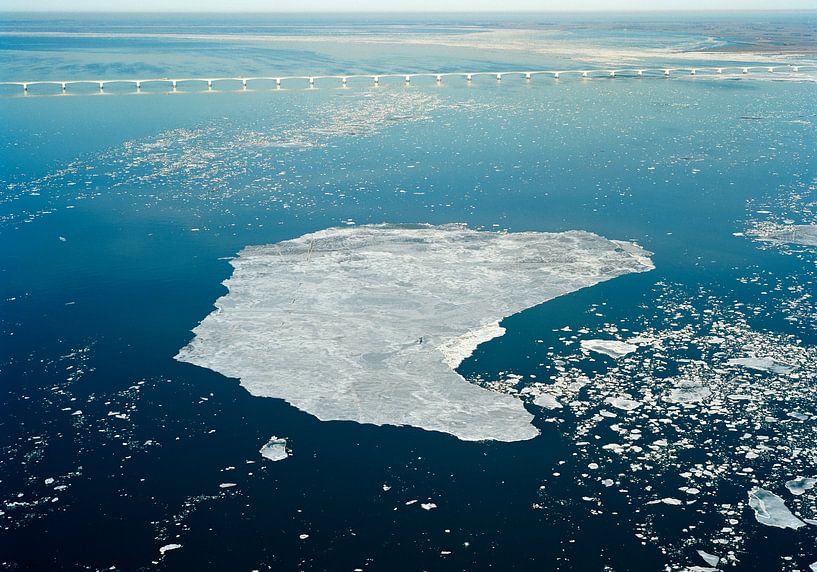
<point x="547" y="401"/>
<point x="275" y="449"/>
<point x="805" y="234"/>
<point x="688" y="393"/>
<point x="350" y="323"/>
<point x="168" y="548"/>
<point x="458" y="349"/>
<point x="710" y="559"/>
<point x="613" y="348"/>
<point x="771" y="510"/>
<point x="623" y="403"/>
<point x="761" y="364"/>
<point x="800" y="485"/>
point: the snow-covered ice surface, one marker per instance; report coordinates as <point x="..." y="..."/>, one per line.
<point x="364" y="323"/>
<point x="275" y="449"/>
<point x="612" y="348"/>
<point x="771" y="510"/>
<point x="801" y="485"/>
<point x="761" y="364"/>
<point x="804" y="234"/>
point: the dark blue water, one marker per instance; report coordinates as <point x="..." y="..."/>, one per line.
<point x="119" y="213"/>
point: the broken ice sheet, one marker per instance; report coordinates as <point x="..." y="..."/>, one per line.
<point x="365" y="323"/>
<point x="761" y="364"/>
<point x="688" y="393"/>
<point x="800" y="485"/>
<point x="275" y="449"/>
<point x="771" y="510"/>
<point x="613" y="348"/>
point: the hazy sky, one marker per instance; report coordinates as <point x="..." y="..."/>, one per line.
<point x="398" y="5"/>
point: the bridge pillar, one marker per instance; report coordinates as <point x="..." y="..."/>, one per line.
<point x="312" y="82"/>
<point x="101" y="86"/>
<point x="25" y="87"/>
<point x="173" y="85"/>
<point x="469" y="77"/>
<point x="720" y="70"/>
<point x="63" y="86"/>
<point x="343" y="81"/>
<point x="745" y="70"/>
<point x="640" y="72"/>
<point x="527" y="76"/>
<point x="666" y="73"/>
<point x="439" y="78"/>
<point x="244" y="83"/>
<point x="555" y="75"/>
<point x="138" y="85"/>
<point x="584" y="74"/>
<point x="612" y="73"/>
<point x="499" y="77"/>
<point x="376" y="80"/>
<point x="209" y="84"/>
<point x="277" y="82"/>
<point x="795" y="68"/>
<point x="771" y="70"/>
<point x="408" y="79"/>
<point x="693" y="71"/>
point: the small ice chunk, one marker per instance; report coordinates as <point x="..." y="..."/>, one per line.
<point x="428" y="505"/>
<point x="761" y="364"/>
<point x="547" y="401"/>
<point x="771" y="510"/>
<point x="275" y="449"/>
<point x="800" y="485"/>
<point x="168" y="548"/>
<point x="613" y="348"/>
<point x="667" y="500"/>
<point x="710" y="559"/>
<point x="226" y="485"/>
<point x="623" y="403"/>
<point x="688" y="393"/>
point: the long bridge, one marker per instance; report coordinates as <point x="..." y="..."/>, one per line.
<point x="309" y="81"/>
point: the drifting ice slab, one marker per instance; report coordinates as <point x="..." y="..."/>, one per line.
<point x="368" y="323"/>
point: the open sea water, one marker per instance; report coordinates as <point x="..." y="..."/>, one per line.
<point x="119" y="213"/>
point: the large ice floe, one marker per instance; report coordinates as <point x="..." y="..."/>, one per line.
<point x="771" y="510"/>
<point x="368" y="323"/>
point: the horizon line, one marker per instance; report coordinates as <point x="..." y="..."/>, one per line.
<point x="457" y="12"/>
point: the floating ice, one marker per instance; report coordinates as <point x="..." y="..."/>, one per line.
<point x="275" y="449"/>
<point x="168" y="548"/>
<point x="613" y="348"/>
<point x="688" y="393"/>
<point x="623" y="403"/>
<point x="805" y="234"/>
<point x="771" y="510"/>
<point x="547" y="401"/>
<point x="710" y="559"/>
<point x="761" y="364"/>
<point x="363" y="323"/>
<point x="800" y="485"/>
